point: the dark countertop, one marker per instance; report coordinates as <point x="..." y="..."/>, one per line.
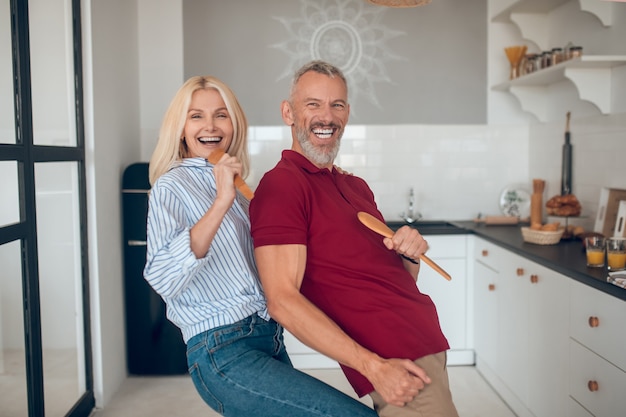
<point x="431" y="227"/>
<point x="566" y="257"/>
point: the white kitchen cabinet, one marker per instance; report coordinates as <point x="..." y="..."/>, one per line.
<point x="534" y="335"/>
<point x="487" y="257"/>
<point x="450" y="298"/>
<point x="548" y="336"/>
<point x="513" y="336"/>
<point x="303" y="357"/>
<point x="577" y="410"/>
<point x="488" y="253"/>
<point x="595" y="383"/>
<point x="486" y="314"/>
<point x="522" y="336"/>
<point x="597" y="321"/>
<point x="597" y="346"/>
<point x="497" y="321"/>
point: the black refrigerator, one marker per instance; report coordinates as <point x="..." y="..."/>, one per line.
<point x="154" y="346"/>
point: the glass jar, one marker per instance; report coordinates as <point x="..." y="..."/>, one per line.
<point x="530" y="63"/>
<point x="575" y="52"/>
<point x="566" y="52"/>
<point x="546" y="59"/>
<point x="556" y="56"/>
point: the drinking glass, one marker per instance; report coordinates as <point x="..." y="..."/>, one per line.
<point x="595" y="251"/>
<point x="616" y="253"/>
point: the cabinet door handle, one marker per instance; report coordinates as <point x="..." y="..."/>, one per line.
<point x="492" y="287"/>
<point x="593" y="386"/>
<point x="594" y="321"/>
<point x="534" y="279"/>
<point x="137" y="243"/>
<point x="485" y="252"/>
<point x="520" y="272"/>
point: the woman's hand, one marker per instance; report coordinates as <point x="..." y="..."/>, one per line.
<point x="203" y="232"/>
<point x="225" y="171"/>
<point x="341" y="171"/>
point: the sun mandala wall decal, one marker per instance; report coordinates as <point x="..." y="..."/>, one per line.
<point x="346" y="33"/>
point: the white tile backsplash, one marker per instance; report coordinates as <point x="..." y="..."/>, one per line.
<point x="458" y="171"/>
<point x="598" y="158"/>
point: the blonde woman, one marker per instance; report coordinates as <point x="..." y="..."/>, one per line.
<point x="200" y="260"/>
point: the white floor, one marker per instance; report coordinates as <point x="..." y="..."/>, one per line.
<point x="61" y="382"/>
<point x="176" y="396"/>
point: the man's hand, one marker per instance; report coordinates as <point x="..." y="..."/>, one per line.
<point x="407" y="241"/>
<point x="398" y="381"/>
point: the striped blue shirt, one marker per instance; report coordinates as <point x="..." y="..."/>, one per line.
<point x="219" y="289"/>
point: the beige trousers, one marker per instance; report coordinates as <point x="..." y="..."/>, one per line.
<point x="435" y="400"/>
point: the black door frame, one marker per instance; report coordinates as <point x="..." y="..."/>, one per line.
<point x="27" y="154"/>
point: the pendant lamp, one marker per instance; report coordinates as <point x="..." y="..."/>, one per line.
<point x="399" y="3"/>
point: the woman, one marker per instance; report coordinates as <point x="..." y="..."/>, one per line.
<point x="200" y="260"/>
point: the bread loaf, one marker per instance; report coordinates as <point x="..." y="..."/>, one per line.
<point x="563" y="205"/>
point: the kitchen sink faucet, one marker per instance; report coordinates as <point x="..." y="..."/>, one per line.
<point x="411" y="215"/>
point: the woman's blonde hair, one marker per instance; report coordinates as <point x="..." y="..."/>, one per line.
<point x="171" y="149"/>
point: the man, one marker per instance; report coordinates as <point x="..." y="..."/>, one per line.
<point x="334" y="284"/>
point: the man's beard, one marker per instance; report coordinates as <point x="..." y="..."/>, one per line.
<point x="322" y="155"/>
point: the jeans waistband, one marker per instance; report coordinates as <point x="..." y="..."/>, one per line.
<point x="250" y="321"/>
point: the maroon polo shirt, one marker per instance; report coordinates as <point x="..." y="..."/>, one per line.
<point x="350" y="274"/>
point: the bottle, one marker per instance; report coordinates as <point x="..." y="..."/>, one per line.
<point x="536" y="202"/>
<point x="566" y="167"/>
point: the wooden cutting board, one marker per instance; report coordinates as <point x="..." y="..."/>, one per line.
<point x="500" y="220"/>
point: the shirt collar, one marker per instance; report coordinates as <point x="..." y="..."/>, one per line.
<point x="301" y="161"/>
<point x="191" y="162"/>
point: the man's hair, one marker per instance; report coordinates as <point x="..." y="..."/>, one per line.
<point x="321" y="67"/>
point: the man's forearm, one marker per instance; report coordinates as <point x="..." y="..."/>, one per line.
<point x="315" y="329"/>
<point x="412" y="267"/>
<point x="281" y="268"/>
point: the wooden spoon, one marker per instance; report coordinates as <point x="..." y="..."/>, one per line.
<point x="382" y="229"/>
<point x="241" y="185"/>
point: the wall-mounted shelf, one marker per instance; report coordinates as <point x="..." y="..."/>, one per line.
<point x="527" y="6"/>
<point x="590" y="74"/>
<point x="603" y="10"/>
<point x="531" y="17"/>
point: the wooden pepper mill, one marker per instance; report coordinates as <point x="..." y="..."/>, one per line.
<point x="536" y="202"/>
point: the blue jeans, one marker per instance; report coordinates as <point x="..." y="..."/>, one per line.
<point x="242" y="370"/>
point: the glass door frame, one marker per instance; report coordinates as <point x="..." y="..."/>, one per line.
<point x="27" y="154"/>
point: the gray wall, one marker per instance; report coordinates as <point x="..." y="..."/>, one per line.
<point x="112" y="120"/>
<point x="418" y="65"/>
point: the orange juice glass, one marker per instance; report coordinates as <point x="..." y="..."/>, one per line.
<point x="595" y="251"/>
<point x="616" y="253"/>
